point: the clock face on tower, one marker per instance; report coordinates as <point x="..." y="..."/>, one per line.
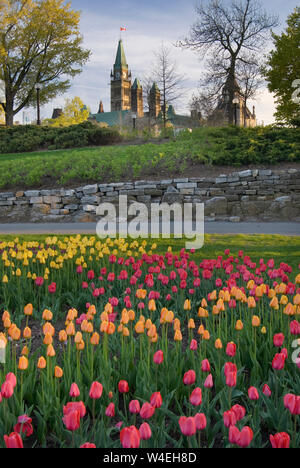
<point x="118" y="75"/>
<point x="124" y="74"/>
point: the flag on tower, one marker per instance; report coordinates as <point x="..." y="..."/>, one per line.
<point x="122" y="28"/>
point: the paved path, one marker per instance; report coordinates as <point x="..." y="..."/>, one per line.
<point x="289" y="229"/>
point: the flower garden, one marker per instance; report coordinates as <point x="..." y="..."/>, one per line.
<point x="114" y="343"/>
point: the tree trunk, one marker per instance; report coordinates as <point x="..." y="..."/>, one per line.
<point x="9" y="109"/>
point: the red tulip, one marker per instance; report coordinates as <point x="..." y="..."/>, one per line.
<point x="295" y="327"/>
<point x="14" y="440"/>
<point x="96" y="390"/>
<point x="134" y="407"/>
<point x="278" y="361"/>
<point x="158" y="357"/>
<point x="278" y="340"/>
<point x="10" y="377"/>
<point x="292" y="403"/>
<point x="189" y="377"/>
<point x="200" y="421"/>
<point x="234" y="435"/>
<point x="253" y="393"/>
<point x="74" y="391"/>
<point x="267" y="391"/>
<point x="110" y="410"/>
<point x="229" y="367"/>
<point x="245" y="438"/>
<point x="75" y="406"/>
<point x="205" y="366"/>
<point x="196" y="397"/>
<point x="280" y="440"/>
<point x="145" y="431"/>
<point x="187" y="425"/>
<point x="88" y="445"/>
<point x="193" y="345"/>
<point x="229" y="418"/>
<point x="7" y="389"/>
<point x="24" y="425"/>
<point x="209" y="383"/>
<point x="147" y="411"/>
<point x="231" y="349"/>
<point x="156" y="400"/>
<point x="72" y="420"/>
<point x="123" y="386"/>
<point x="239" y="412"/>
<point x="130" y="437"/>
<point x="231" y="379"/>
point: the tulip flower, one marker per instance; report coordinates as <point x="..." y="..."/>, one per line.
<point x="96" y="390"/>
<point x="187" y="426"/>
<point x="229" y="418"/>
<point x="278" y="361"/>
<point x="200" y="421"/>
<point x="245" y="437"/>
<point x="72" y="420"/>
<point x="278" y="340"/>
<point x="196" y="397"/>
<point x="253" y="393"/>
<point x="189" y="377"/>
<point x="205" y="365"/>
<point x="10" y="377"/>
<point x="145" y="431"/>
<point x="24" y="424"/>
<point x="231" y="349"/>
<point x="74" y="391"/>
<point x="234" y="435"/>
<point x="110" y="410"/>
<point x="156" y="400"/>
<point x="147" y="411"/>
<point x="134" y="407"/>
<point x="123" y="386"/>
<point x="230" y="379"/>
<point x="7" y="389"/>
<point x="130" y="437"/>
<point x="75" y="406"/>
<point x="292" y="403"/>
<point x="14" y="440"/>
<point x="280" y="440"/>
<point x="267" y="391"/>
<point x="209" y="383"/>
<point x="239" y="412"/>
<point x="88" y="445"/>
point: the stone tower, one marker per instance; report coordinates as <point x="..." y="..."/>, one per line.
<point x="137" y="105"/>
<point x="154" y="101"/>
<point x="120" y="82"/>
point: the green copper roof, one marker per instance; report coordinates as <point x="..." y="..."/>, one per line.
<point x="111" y="118"/>
<point x="136" y="84"/>
<point x="120" y="58"/>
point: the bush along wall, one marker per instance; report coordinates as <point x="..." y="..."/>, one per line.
<point x="26" y="138"/>
<point x="246" y="195"/>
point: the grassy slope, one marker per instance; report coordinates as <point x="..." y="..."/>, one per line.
<point x="282" y="248"/>
<point x="210" y="146"/>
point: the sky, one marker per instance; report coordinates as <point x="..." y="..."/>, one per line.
<point x="148" y="24"/>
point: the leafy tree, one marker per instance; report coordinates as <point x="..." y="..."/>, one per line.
<point x="40" y="42"/>
<point x="283" y="71"/>
<point x="74" y="112"/>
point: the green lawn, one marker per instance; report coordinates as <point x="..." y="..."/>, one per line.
<point x="228" y="146"/>
<point x="282" y="248"/>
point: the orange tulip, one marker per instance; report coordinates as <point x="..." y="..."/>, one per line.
<point x="48" y="328"/>
<point x="191" y="324"/>
<point x="47" y="315"/>
<point x="58" y="372"/>
<point x="239" y="325"/>
<point x="139" y="327"/>
<point x="63" y="337"/>
<point x="255" y="321"/>
<point x="206" y="335"/>
<point x="50" y="351"/>
<point x="218" y="344"/>
<point x="251" y="302"/>
<point x="41" y="363"/>
<point x="28" y="309"/>
<point x="187" y="304"/>
<point x="178" y="336"/>
<point x="48" y="339"/>
<point x="202" y="312"/>
<point x="23" y="363"/>
<point x="27" y="333"/>
<point x="95" y="338"/>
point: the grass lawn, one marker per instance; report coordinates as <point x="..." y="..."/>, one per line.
<point x="282" y="248"/>
<point x="185" y="156"/>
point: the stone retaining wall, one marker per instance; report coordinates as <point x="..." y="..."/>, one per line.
<point x="248" y="195"/>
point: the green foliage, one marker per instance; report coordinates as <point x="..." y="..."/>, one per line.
<point x="232" y="146"/>
<point x="283" y="71"/>
<point x="32" y="138"/>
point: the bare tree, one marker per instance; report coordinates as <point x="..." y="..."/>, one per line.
<point x="169" y="80"/>
<point x="228" y="35"/>
<point x="251" y="81"/>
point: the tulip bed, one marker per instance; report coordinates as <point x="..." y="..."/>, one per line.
<point x="122" y="344"/>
